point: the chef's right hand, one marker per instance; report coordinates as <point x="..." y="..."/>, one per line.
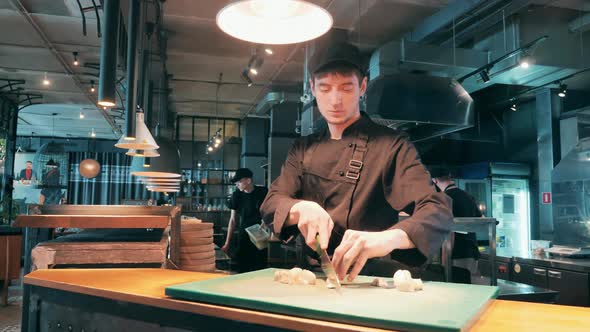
<point x="312" y="219"/>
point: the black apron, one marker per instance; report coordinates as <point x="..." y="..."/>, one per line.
<point x="341" y="187"/>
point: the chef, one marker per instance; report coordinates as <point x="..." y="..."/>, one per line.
<point x="348" y="182"/>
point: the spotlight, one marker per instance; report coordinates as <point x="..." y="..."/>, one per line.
<point x="46" y="81"/>
<point x="255" y="63"/>
<point x="92" y="89"/>
<point x="246" y="77"/>
<point x="76" y="63"/>
<point x="562" y="90"/>
<point x="485" y="77"/>
<point x="268" y="51"/>
<point x="82" y="115"/>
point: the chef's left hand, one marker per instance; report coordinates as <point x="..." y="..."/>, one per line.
<point x="357" y="247"/>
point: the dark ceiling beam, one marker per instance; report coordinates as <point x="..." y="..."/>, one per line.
<point x="92" y="97"/>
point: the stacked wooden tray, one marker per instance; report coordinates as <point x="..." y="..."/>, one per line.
<point x="197" y="251"/>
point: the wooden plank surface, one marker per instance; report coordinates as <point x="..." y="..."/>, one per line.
<point x="146" y="286"/>
<point x="91" y="221"/>
<point x="101" y="210"/>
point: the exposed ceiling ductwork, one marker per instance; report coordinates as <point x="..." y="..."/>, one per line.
<point x="423" y="106"/>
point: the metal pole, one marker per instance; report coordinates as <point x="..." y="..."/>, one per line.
<point x="131" y="70"/>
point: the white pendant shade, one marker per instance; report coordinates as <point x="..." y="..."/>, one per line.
<point x="163" y="189"/>
<point x="143" y="153"/>
<point x="166" y="166"/>
<point x="274" y="21"/>
<point x="143" y="138"/>
<point x="159" y="180"/>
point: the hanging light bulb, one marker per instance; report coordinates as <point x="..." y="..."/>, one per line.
<point x="209" y="148"/>
<point x="92" y="89"/>
<point x="274" y="21"/>
<point x="46" y="82"/>
<point x="82" y="115"/>
<point x="92" y="133"/>
<point x="76" y="63"/>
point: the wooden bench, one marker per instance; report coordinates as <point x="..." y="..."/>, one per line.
<point x="99" y="221"/>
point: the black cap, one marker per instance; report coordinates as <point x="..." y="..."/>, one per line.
<point x="336" y="53"/>
<point x="437" y="171"/>
<point x="242" y="173"/>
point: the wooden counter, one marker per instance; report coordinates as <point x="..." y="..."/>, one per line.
<point x="145" y="287"/>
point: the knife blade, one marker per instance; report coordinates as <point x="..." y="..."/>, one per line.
<point x="326" y="265"/>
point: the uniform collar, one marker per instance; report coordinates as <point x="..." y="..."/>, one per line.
<point x="351" y="130"/>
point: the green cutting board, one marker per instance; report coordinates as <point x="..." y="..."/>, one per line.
<point x="438" y="307"/>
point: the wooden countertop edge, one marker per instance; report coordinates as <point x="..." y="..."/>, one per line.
<point x="245" y="315"/>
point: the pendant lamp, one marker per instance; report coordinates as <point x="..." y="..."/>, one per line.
<point x="143" y="138"/>
<point x="166" y="166"/>
<point x="108" y="54"/>
<point x="274" y="21"/>
<point x="89" y="168"/>
<point x="143" y="153"/>
<point x="164" y="190"/>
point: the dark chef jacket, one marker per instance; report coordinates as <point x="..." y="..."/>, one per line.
<point x="392" y="179"/>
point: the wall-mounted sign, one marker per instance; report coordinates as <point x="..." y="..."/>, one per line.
<point x="546" y="198"/>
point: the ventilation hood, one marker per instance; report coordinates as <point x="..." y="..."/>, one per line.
<point x="421" y="105"/>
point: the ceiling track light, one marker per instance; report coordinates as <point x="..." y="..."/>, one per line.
<point x="76" y="62"/>
<point x="562" y="90"/>
<point x="485" y="76"/>
<point x="246" y="77"/>
<point x="513" y="107"/>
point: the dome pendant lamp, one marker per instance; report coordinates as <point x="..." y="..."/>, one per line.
<point x="274" y="21"/>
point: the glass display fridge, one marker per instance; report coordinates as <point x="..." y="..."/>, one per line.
<point x="501" y="191"/>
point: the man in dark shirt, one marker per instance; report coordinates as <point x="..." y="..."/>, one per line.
<point x="465" y="252"/>
<point x="348" y="182"/>
<point x="245" y="202"/>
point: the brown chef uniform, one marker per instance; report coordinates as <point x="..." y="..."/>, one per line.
<point x="390" y="177"/>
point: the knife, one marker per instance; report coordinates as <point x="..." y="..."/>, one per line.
<point x="326" y="264"/>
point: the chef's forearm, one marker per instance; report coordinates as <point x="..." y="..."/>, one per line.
<point x="400" y="239"/>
